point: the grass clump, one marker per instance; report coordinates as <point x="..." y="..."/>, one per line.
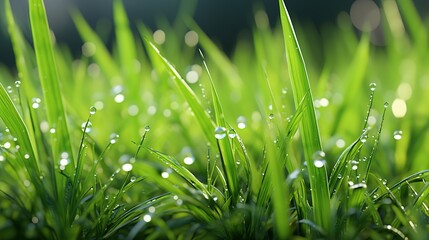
<point x="160" y="139"/>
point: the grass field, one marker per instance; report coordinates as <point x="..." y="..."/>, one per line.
<point x="167" y="137"/>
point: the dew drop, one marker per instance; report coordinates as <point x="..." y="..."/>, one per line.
<point x="165" y="174"/>
<point x="358" y="186"/>
<point x="17" y="83"/>
<point x="92" y="110"/>
<point x="271" y="116"/>
<point x="189" y="160"/>
<point x="113" y="138"/>
<point x="319" y="159"/>
<point x="232" y="133"/>
<point x="127" y="167"/>
<point x="133" y="179"/>
<point x="220" y="132"/>
<point x="397" y="135"/>
<point x="35" y="103"/>
<point x="9" y="89"/>
<point x="386" y="105"/>
<point x="147" y="218"/>
<point x="372" y="86"/>
<point x="86" y="127"/>
<point x="119" y="98"/>
<point x="241" y="122"/>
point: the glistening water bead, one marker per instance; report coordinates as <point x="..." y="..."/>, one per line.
<point x="319" y="159"/>
<point x="92" y="110"/>
<point x="397" y="135"/>
<point x="88" y="126"/>
<point x="372" y="86"/>
<point x="241" y="122"/>
<point x="220" y="132"/>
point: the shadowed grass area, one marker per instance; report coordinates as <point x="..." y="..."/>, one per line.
<point x="167" y="137"/>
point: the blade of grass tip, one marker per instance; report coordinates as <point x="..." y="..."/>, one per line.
<point x="309" y="128"/>
<point x="204" y="120"/>
<point x="224" y="143"/>
<point x="49" y="78"/>
<point x="125" y="42"/>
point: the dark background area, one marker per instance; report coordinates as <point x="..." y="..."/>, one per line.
<point x="222" y="20"/>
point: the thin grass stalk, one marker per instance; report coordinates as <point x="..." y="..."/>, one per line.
<point x="309" y="128"/>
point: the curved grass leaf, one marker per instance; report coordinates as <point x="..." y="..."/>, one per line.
<point x="224" y="144"/>
<point x="201" y="115"/>
<point x="125" y="42"/>
<point x="49" y="78"/>
<point x="309" y="128"/>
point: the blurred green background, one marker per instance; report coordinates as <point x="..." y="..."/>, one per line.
<point x="222" y="20"/>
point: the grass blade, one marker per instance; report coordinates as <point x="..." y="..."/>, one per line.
<point x="309" y="128"/>
<point x="224" y="144"/>
<point x="125" y="42"/>
<point x="49" y="78"/>
<point x="202" y="116"/>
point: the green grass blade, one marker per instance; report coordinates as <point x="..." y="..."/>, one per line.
<point x="309" y="128"/>
<point x="49" y="78"/>
<point x="12" y="119"/>
<point x="201" y="115"/>
<point x="224" y="144"/>
<point x="23" y="66"/>
<point x="125" y="42"/>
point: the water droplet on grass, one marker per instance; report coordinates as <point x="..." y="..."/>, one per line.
<point x="220" y="132"/>
<point x="165" y="174"/>
<point x="397" y="135"/>
<point x="86" y="127"/>
<point x="9" y="89"/>
<point x="271" y="116"/>
<point x="133" y="179"/>
<point x="127" y="167"/>
<point x="232" y="133"/>
<point x="358" y="185"/>
<point x="36" y="103"/>
<point x="17" y="83"/>
<point x="372" y="86"/>
<point x="113" y="138"/>
<point x="147" y="129"/>
<point x="319" y="159"/>
<point x="92" y="110"/>
<point x="189" y="160"/>
<point x="386" y="105"/>
<point x="147" y="218"/>
<point x="241" y="122"/>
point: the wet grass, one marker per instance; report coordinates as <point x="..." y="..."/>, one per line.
<point x="167" y="137"/>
